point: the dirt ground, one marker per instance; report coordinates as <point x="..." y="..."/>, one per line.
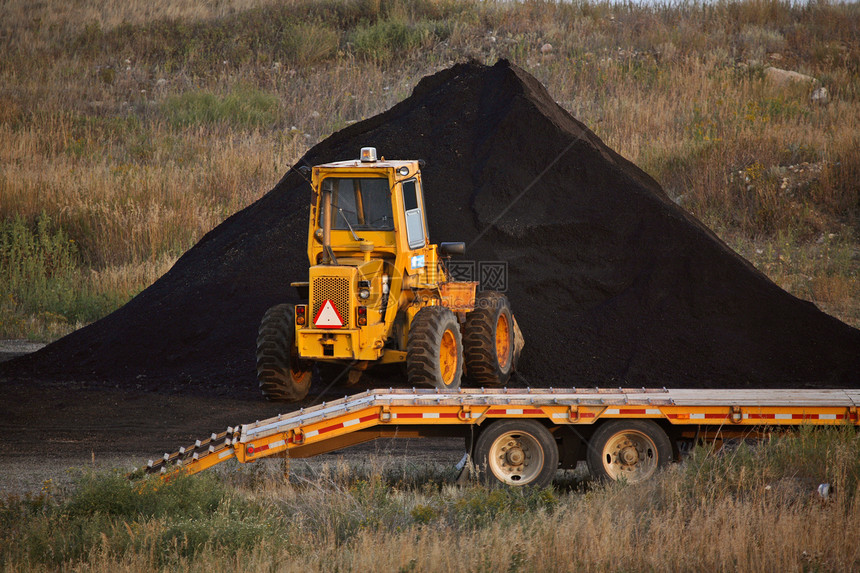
<point x="53" y="430"/>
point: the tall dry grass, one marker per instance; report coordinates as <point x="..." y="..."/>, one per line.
<point x="751" y="508"/>
<point x="136" y="127"/>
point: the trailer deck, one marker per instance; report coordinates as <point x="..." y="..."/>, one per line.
<point x="430" y="412"/>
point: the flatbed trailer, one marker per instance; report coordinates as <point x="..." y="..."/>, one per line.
<point x="522" y="436"/>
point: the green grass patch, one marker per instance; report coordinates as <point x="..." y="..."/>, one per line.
<point x="801" y="459"/>
<point x="241" y="108"/>
<point x="386" y="40"/>
<point x="108" y="515"/>
<point x="41" y="279"/>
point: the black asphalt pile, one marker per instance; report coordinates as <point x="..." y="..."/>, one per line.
<point x="612" y="283"/>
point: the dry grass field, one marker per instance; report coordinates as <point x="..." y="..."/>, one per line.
<point x="744" y="509"/>
<point x="129" y="129"/>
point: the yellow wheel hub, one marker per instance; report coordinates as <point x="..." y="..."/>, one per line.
<point x="448" y="357"/>
<point x="503" y="340"/>
<point x="631" y="455"/>
<point x="516" y="458"/>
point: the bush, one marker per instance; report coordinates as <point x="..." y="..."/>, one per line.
<point x="307" y="44"/>
<point x="242" y="108"/>
<point x="389" y="39"/>
<point x="40" y="276"/>
<point x="109" y="515"/>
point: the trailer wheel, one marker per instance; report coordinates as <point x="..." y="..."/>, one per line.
<point x="516" y="452"/>
<point x="488" y="340"/>
<point x="630" y="449"/>
<point x="434" y="353"/>
<point x="282" y="375"/>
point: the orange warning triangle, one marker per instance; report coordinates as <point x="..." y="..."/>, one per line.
<point x="328" y="316"/>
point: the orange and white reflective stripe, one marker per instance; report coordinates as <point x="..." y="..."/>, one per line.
<point x="514" y="411"/>
<point x="633" y="412"/>
<point x="423" y="415"/>
<point x="341" y="425"/>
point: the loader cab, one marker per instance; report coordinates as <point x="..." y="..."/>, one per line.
<point x="366" y="209"/>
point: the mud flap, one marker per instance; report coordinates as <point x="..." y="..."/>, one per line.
<point x="467" y="470"/>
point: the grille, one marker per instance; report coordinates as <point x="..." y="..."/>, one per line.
<point x="336" y="290"/>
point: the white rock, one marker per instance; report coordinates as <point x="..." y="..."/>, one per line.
<point x="820" y="96"/>
<point x="786" y="77"/>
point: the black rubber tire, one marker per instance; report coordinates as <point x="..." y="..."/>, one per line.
<point x="424" y="344"/>
<point x="483" y="366"/>
<point x="282" y="376"/>
<point x="654" y="450"/>
<point x="536" y="445"/>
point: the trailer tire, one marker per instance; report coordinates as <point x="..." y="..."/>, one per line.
<point x="628" y="449"/>
<point x="488" y="340"/>
<point x="516" y="452"/>
<point x="434" y="352"/>
<point x="283" y="377"/>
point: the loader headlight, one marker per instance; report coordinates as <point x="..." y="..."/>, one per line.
<point x="404" y="171"/>
<point x="364" y="294"/>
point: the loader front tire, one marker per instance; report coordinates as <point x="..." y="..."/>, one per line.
<point x="434" y="352"/>
<point x="488" y="340"/>
<point x="283" y="376"/>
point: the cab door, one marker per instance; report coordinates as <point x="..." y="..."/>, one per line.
<point x="416" y="231"/>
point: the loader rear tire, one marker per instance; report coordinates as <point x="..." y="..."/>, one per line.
<point x="434" y="352"/>
<point x="282" y="375"/>
<point x="488" y="340"/>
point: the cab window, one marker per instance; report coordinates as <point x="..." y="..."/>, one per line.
<point x="363" y="203"/>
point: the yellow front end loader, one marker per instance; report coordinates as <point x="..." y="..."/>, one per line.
<point x="378" y="292"/>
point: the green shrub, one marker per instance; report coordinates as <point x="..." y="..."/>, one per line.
<point x="241" y="108"/>
<point x="386" y="40"/>
<point x="481" y="507"/>
<point x="115" y="495"/>
<point x="307" y="44"/>
<point x="107" y="514"/>
<point x="40" y="275"/>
